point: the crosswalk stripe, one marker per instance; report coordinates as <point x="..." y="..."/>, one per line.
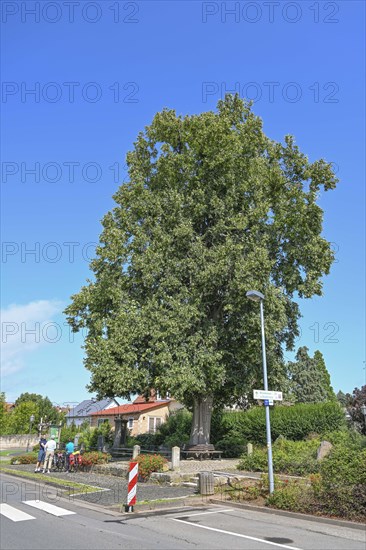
<point x="49" y="508"/>
<point x="13" y="514"/>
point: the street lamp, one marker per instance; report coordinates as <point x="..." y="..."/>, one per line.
<point x="31" y="420"/>
<point x="256" y="296"/>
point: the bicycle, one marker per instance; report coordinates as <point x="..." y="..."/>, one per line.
<point x="59" y="461"/>
<point x="75" y="461"/>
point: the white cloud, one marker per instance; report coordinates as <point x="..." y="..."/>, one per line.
<point x="24" y="329"/>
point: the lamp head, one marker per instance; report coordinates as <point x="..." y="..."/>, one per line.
<point x="254" y="295"/>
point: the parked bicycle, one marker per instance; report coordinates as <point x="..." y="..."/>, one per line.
<point x="59" y="461"/>
<point x="75" y="461"/>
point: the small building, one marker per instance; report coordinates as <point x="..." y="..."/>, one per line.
<point x="83" y="411"/>
<point x="142" y="416"/>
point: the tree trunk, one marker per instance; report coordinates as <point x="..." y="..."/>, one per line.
<point x="201" y="424"/>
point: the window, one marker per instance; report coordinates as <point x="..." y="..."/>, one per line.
<point x="154" y="423"/>
<point x="130" y="423"/>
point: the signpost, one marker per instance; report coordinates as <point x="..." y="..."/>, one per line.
<point x="265" y="394"/>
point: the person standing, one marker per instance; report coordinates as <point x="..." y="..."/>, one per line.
<point x="50" y="448"/>
<point x="70" y="448"/>
<point x="41" y="453"/>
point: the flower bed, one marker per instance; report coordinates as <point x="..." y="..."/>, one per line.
<point x="149" y="464"/>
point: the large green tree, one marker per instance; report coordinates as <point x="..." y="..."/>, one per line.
<point x="212" y="208"/>
<point x="19" y="418"/>
<point x="310" y="379"/>
<point x="46" y="409"/>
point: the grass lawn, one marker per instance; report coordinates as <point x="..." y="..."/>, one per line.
<point x="8" y="452"/>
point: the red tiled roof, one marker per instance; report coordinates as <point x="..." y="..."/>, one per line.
<point x="130" y="408"/>
<point x="150" y="399"/>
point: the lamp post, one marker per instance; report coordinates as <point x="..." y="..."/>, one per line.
<point x="31" y="420"/>
<point x="256" y="296"/>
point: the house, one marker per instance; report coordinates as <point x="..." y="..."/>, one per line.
<point x="83" y="411"/>
<point x="142" y="416"/>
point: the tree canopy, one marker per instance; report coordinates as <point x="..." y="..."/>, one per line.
<point x="45" y="408"/>
<point x="212" y="208"/>
<point x="310" y="380"/>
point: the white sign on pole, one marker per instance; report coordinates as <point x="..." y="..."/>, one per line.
<point x="265" y="394"/>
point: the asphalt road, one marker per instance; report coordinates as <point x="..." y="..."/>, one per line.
<point x="34" y="516"/>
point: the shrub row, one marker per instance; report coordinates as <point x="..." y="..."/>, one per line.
<point x="338" y="490"/>
<point x="294" y="422"/>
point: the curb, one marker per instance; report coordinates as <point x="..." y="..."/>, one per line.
<point x="296" y="515"/>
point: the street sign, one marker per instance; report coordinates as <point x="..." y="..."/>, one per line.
<point x="266" y="402"/>
<point x="265" y="394"/>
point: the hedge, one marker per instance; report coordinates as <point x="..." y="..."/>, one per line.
<point x="295" y="422"/>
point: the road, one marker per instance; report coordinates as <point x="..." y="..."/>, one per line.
<point x="33" y="516"/>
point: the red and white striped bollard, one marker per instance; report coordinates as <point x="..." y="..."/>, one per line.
<point x="132" y="486"/>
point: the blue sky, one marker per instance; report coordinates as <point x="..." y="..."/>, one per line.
<point x="81" y="80"/>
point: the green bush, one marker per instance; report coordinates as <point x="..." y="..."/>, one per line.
<point x="294" y="422"/>
<point x="176" y="430"/>
<point x="149" y="464"/>
<point x="149" y="441"/>
<point x="105" y="430"/>
<point x="289" y="457"/>
<point x="232" y="445"/>
<point x="94" y="457"/>
<point x="294" y="495"/>
<point x="346" y="438"/>
<point x="343" y="466"/>
<point x="295" y="457"/>
<point x="131" y="441"/>
<point x="256" y="462"/>
<point x="29" y="458"/>
<point x="339" y="490"/>
<point x="68" y="433"/>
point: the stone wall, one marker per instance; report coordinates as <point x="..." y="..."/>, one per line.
<point x="17" y="441"/>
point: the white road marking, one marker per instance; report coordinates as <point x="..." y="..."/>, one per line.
<point x="236" y="534"/>
<point x="49" y="508"/>
<point x="13" y="514"/>
<point x="215" y="512"/>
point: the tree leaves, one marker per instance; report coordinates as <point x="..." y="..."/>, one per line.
<point x="213" y="208"/>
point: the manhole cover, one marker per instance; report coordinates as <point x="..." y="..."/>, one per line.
<point x="279" y="540"/>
